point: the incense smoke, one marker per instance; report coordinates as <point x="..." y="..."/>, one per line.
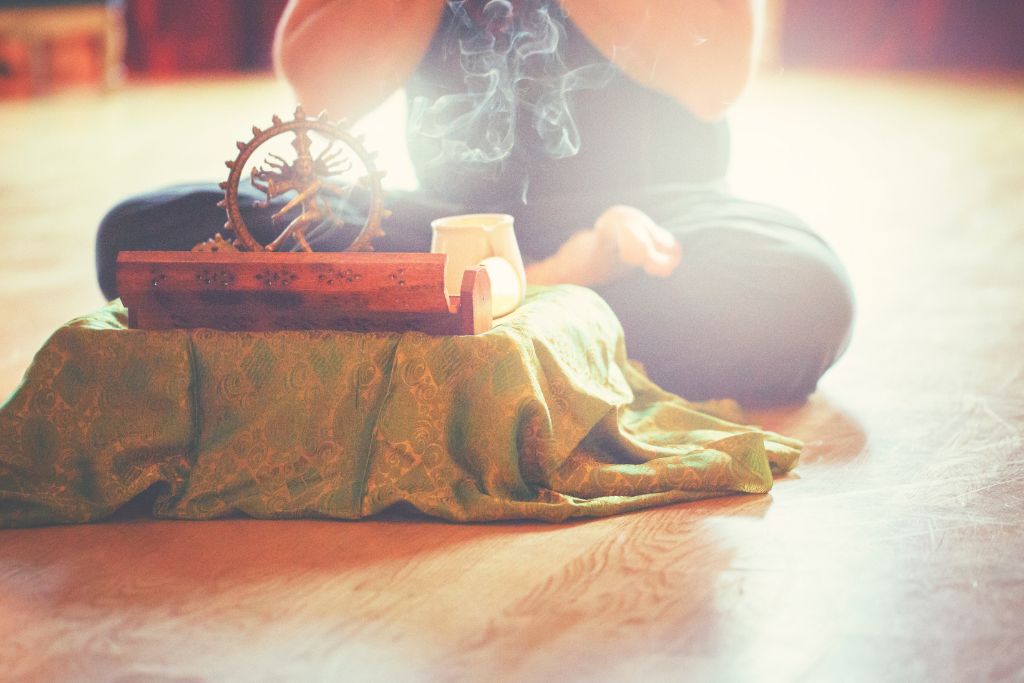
<point x="512" y="69"/>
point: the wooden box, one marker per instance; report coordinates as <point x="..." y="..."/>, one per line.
<point x="298" y="291"/>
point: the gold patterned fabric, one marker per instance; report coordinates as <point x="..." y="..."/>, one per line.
<point x="542" y="418"/>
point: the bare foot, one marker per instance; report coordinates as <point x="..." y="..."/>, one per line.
<point x="623" y="238"/>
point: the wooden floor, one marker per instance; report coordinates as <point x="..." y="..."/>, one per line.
<point x="894" y="553"/>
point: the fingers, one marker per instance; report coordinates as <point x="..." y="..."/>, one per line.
<point x="640" y="242"/>
<point x="665" y="254"/>
<point x="663" y="239"/>
<point x="623" y="238"/>
<point x="660" y="263"/>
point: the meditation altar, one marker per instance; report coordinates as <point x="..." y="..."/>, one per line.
<point x="243" y="378"/>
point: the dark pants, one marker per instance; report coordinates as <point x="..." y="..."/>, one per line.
<point x="758" y="310"/>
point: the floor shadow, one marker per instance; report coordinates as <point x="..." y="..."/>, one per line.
<point x="830" y="433"/>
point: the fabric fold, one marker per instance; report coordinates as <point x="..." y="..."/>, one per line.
<point x="543" y="417"/>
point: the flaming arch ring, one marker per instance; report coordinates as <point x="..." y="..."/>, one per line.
<point x="308" y="178"/>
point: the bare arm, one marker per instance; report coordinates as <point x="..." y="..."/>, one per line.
<point x="347" y="56"/>
<point x="701" y="52"/>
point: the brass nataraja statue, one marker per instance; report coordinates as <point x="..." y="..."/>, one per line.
<point x="313" y="180"/>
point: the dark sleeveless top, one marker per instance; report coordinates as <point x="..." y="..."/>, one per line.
<point x="629" y="136"/>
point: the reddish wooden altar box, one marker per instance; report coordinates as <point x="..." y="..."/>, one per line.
<point x="362" y="292"/>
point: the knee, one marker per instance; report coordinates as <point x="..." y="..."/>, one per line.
<point x="813" y="315"/>
<point x="174" y="219"/>
<point x="799" y="314"/>
<point x="111" y="238"/>
<point x="760" y="326"/>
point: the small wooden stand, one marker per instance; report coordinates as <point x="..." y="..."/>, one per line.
<point x="265" y="291"/>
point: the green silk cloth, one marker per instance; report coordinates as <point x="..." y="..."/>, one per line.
<point x="543" y="418"/>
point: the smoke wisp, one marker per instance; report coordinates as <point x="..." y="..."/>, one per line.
<point x="512" y="68"/>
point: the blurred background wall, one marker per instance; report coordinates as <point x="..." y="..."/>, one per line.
<point x="904" y="34"/>
<point x="49" y="43"/>
<point x="166" y="37"/>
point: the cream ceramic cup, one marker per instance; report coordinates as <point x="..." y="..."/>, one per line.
<point x="486" y="239"/>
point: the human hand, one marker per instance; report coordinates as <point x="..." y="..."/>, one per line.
<point x="623" y="239"/>
<point x="639" y="241"/>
